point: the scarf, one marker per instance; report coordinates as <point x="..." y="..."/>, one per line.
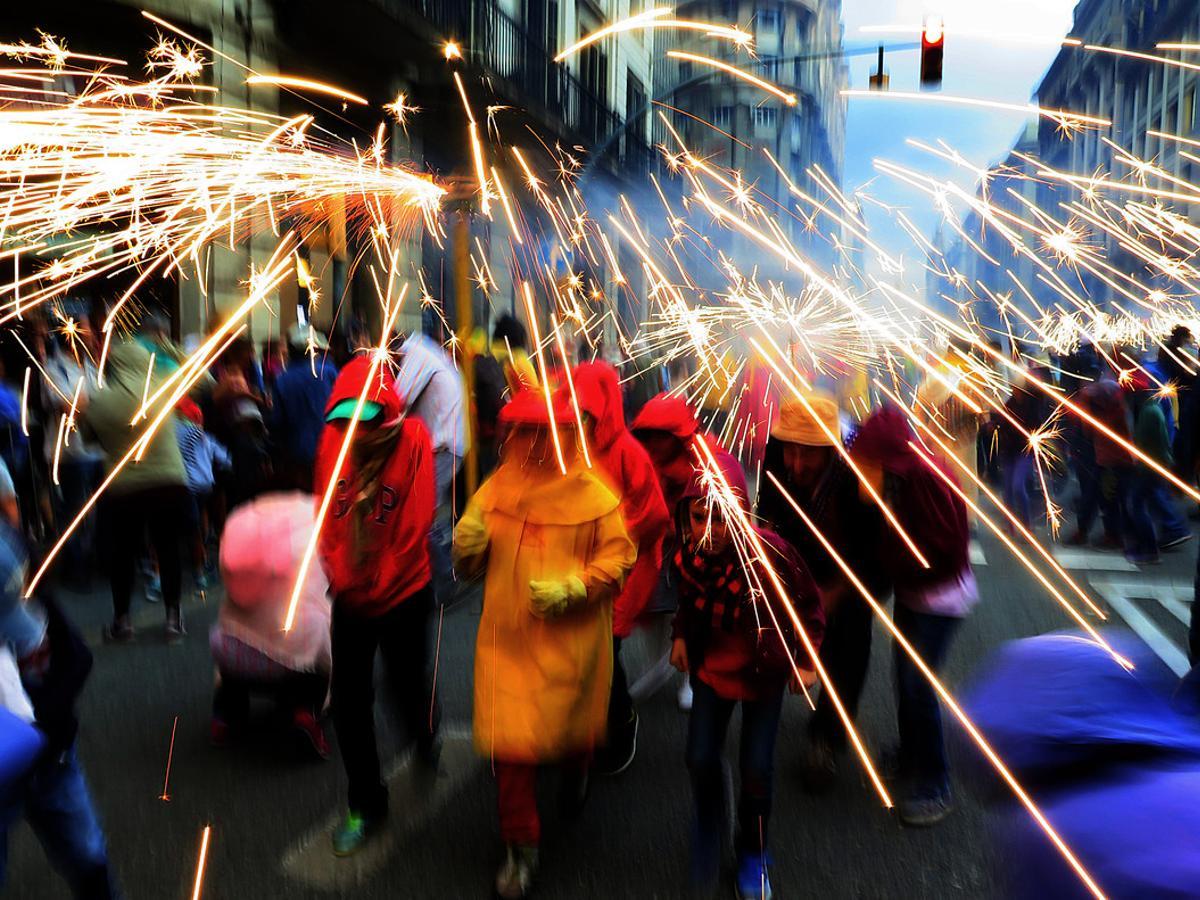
<point x="713" y="585"/>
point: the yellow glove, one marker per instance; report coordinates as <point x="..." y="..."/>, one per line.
<point x="548" y="599"/>
<point x="470" y="538"/>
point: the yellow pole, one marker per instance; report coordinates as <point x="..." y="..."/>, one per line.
<point x="465" y="317"/>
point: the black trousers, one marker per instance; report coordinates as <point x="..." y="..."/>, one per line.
<point x="846" y="654"/>
<point x="620" y="704"/>
<point x="157" y="513"/>
<point x="402" y="636"/>
<point x="303" y="690"/>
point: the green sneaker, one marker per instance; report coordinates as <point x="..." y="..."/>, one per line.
<point x="352" y="834"/>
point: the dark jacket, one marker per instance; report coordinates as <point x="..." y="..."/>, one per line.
<point x="298" y="408"/>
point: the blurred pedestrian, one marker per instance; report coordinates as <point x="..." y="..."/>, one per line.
<point x="510" y="347"/>
<point x="203" y="457"/>
<point x="53" y="797"/>
<point x="738" y="649"/>
<point x="297" y="414"/>
<point x="433" y="391"/>
<point x="1155" y="522"/>
<point x="262" y="549"/>
<point x="148" y="499"/>
<point x="553" y="551"/>
<point x="1105" y="401"/>
<point x="374" y="547"/>
<point x="930" y="602"/>
<point x="625" y="468"/>
<point x="803" y="457"/>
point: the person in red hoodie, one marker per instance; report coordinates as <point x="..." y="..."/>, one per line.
<point x="625" y="467"/>
<point x="668" y="428"/>
<point x="375" y="551"/>
<point x="736" y="640"/>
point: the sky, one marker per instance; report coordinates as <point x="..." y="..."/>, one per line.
<point x="1001" y="51"/>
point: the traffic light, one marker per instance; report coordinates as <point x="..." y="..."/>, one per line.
<point x="933" y="40"/>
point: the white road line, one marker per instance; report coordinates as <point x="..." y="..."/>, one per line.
<point x="1092" y="559"/>
<point x="978" y="558"/>
<point x="311" y="861"/>
<point x="1163" y="647"/>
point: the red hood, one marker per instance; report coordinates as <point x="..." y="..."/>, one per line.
<point x="883" y="440"/>
<point x="667" y="413"/>
<point x="599" y="395"/>
<point x="350" y="382"/>
<point x="528" y="407"/>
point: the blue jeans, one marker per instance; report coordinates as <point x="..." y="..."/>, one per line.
<point x="58" y="807"/>
<point x="1160" y="507"/>
<point x="922" y="746"/>
<point x="707" y="725"/>
<point x="445" y="465"/>
<point x="1018" y="473"/>
<point x="77" y="480"/>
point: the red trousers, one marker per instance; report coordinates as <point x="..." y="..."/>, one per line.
<point x="516" y="785"/>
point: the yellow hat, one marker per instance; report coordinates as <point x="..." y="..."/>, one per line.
<point x="796" y="425"/>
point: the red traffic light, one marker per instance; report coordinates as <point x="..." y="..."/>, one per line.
<point x="933" y="38"/>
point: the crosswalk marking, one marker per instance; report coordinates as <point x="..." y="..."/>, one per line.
<point x="1094" y="560"/>
<point x="978" y="557"/>
<point x="1117" y="596"/>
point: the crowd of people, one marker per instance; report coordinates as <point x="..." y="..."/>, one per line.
<point x="598" y="508"/>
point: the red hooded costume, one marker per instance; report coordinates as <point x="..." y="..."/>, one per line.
<point x="395" y="562"/>
<point x="932" y="514"/>
<point x="672" y="415"/>
<point x="625" y="467"/>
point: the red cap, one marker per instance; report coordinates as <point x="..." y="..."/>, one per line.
<point x="189" y="410"/>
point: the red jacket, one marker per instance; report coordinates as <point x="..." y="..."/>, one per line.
<point x="395" y="564"/>
<point x="626" y="467"/>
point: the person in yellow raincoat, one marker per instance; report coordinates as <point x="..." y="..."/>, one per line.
<point x="554" y="552"/>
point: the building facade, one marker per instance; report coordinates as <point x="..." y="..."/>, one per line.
<point x="798" y="45"/>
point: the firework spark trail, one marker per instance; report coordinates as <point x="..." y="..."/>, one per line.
<point x="949" y="454"/>
<point x="201" y="862"/>
<point x="166" y="795"/>
<point x="948" y="699"/>
<point x="653" y="18"/>
<point x="734" y="71"/>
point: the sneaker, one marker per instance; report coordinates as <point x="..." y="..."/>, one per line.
<point x="309" y="729"/>
<point x="1143" y="559"/>
<point x="753" y="880"/>
<point x="1175" y="541"/>
<point x="153" y="588"/>
<point x="353" y="834"/>
<point x="818" y="764"/>
<point x="618" y="755"/>
<point x="174" y="628"/>
<point x="514" y="881"/>
<point x="119" y="632"/>
<point x="926" y="806"/>
<point x="685" y="695"/>
<point x="218" y="732"/>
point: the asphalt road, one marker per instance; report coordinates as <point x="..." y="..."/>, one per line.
<point x="269" y="807"/>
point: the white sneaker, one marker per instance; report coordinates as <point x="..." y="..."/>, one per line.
<point x="685" y="695"/>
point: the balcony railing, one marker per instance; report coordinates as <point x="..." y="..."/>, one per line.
<point x="523" y="66"/>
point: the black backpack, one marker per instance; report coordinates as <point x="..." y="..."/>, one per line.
<point x="490" y="386"/>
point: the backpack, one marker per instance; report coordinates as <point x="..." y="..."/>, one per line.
<point x="490" y="385"/>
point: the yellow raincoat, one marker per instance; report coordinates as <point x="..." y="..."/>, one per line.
<point x="542" y="685"/>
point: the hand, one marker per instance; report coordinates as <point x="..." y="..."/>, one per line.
<point x="679" y="656"/>
<point x="806" y="680"/>
<point x="548" y="599"/>
<point x="470" y="539"/>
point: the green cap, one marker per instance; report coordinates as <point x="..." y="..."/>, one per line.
<point x="345" y="410"/>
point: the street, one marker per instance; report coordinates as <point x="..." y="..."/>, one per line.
<point x="270" y="808"/>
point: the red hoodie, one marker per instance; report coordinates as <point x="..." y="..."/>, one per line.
<point x="672" y="415"/>
<point x="626" y="468"/>
<point x="396" y="563"/>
